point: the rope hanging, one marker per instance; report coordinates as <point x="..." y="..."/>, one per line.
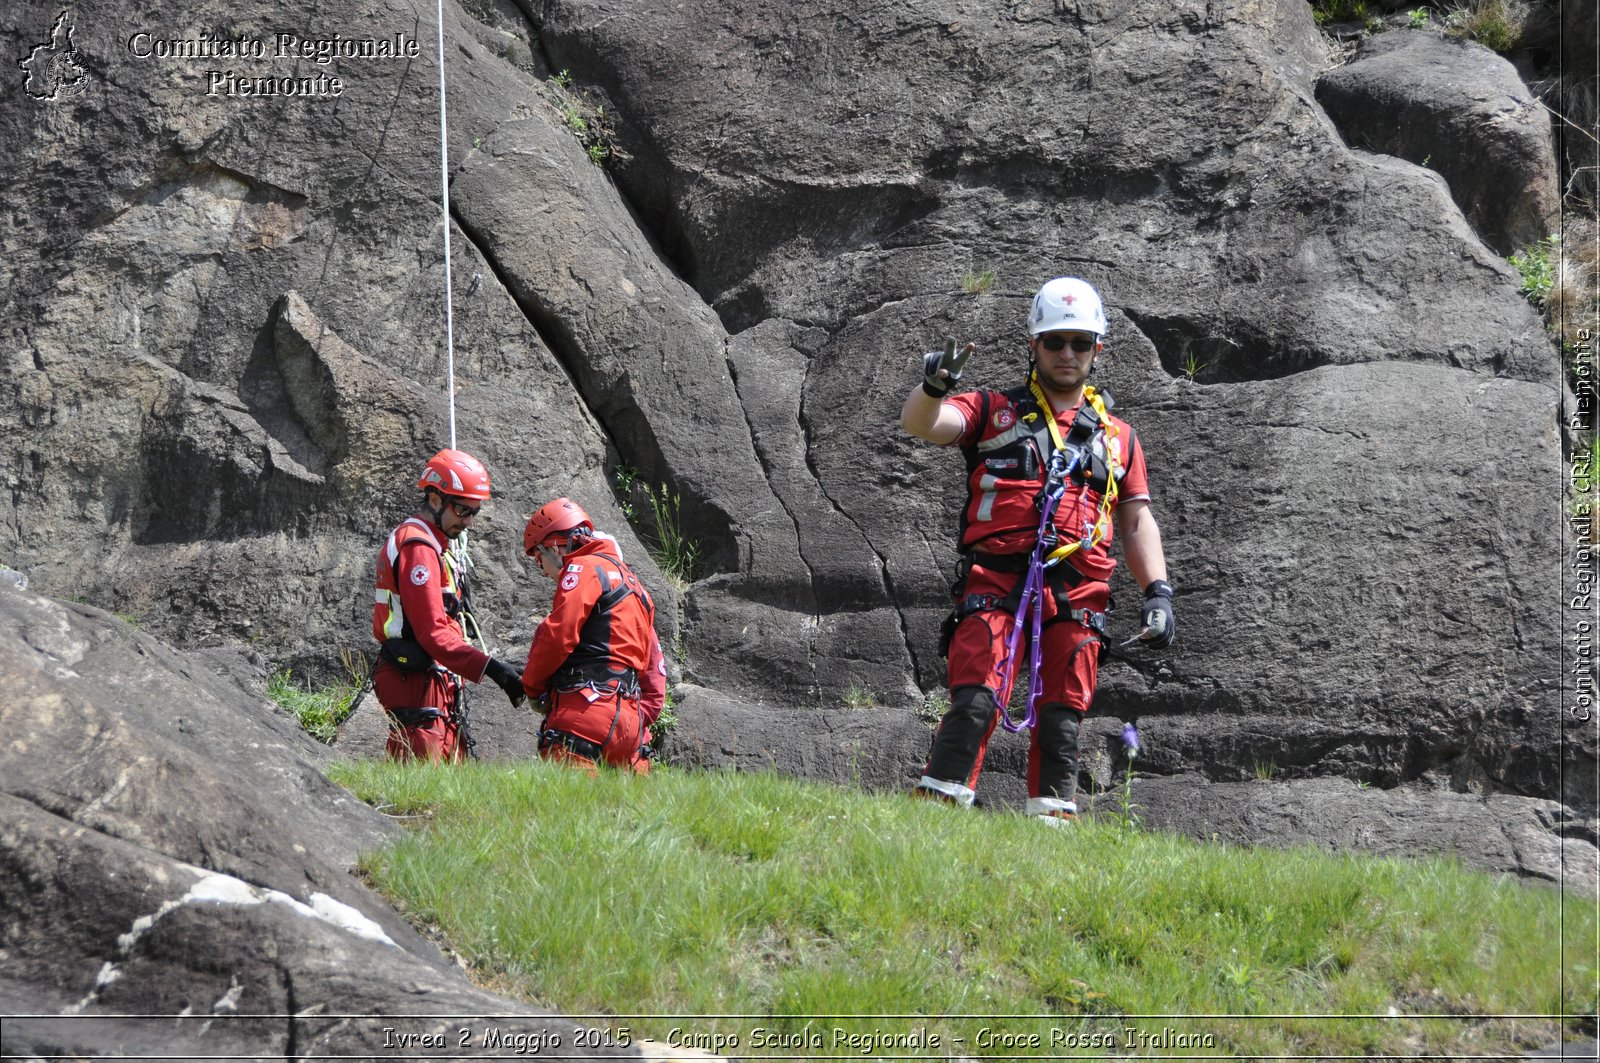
<point x="463" y="556"/>
<point x="444" y="200"/>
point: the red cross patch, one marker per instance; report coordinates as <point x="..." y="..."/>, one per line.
<point x="1004" y="418"/>
<point x="569" y="581"/>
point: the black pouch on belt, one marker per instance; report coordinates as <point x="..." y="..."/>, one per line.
<point x="405" y="655"/>
<point x="415" y="717"/>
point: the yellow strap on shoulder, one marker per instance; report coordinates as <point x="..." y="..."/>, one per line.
<point x="1108" y="501"/>
<point x="1049" y="409"/>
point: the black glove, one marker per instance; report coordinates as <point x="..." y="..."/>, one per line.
<point x="950" y="361"/>
<point x="506" y="678"/>
<point x="1160" y="626"/>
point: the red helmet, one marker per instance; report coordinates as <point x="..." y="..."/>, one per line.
<point x="457" y="474"/>
<point x="553" y="518"/>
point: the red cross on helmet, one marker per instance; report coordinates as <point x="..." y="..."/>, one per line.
<point x="1067" y="304"/>
<point x="455" y="474"/>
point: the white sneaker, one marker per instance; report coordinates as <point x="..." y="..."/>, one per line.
<point x="1053" y="810"/>
<point x="952" y="792"/>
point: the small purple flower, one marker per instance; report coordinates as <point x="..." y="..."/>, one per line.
<point x="1130" y="739"/>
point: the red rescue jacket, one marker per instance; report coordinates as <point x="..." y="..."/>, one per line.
<point x="419" y="597"/>
<point x="601" y="622"/>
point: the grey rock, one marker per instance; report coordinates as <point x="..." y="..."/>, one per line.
<point x="1527" y="837"/>
<point x="801" y="170"/>
<point x="878" y="747"/>
<point x="244" y="366"/>
<point x="215" y="850"/>
<point x="1462" y="111"/>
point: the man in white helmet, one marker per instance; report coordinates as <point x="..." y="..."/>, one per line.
<point x="1050" y="437"/>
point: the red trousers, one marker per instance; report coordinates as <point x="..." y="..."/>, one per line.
<point x="437" y="740"/>
<point x="606" y="718"/>
<point x="1069" y="668"/>
<point x="1071" y="661"/>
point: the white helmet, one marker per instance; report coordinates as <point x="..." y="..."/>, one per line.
<point x="1067" y="304"/>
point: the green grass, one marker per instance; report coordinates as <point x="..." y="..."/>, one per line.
<point x="715" y="894"/>
<point x="1330" y="11"/>
<point x="676" y="553"/>
<point x="320" y="710"/>
<point x="934" y="705"/>
<point x="1537" y="265"/>
<point x="1495" y="24"/>
<point x="977" y="282"/>
<point x="858" y="698"/>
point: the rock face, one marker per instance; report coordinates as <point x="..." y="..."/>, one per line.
<point x="170" y="847"/>
<point x="1459" y="109"/>
<point x="225" y="351"/>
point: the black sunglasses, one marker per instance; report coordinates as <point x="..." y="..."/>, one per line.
<point x="1057" y="342"/>
<point x="463" y="511"/>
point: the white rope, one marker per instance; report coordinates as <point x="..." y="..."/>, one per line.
<point x="459" y="547"/>
<point x="444" y="189"/>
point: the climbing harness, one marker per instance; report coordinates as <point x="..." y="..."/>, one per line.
<point x="1070" y="462"/>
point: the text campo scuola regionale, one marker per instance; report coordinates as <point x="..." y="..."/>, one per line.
<point x="280" y="46"/>
<point x="879" y="1042"/>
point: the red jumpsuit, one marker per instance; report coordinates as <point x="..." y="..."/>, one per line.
<point x="598" y="658"/>
<point x="417" y="594"/>
<point x="1006" y="473"/>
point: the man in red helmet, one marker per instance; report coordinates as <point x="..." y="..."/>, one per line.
<point x="1051" y="438"/>
<point x="595" y="660"/>
<point x="418" y="617"/>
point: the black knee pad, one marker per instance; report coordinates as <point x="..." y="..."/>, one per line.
<point x="955" y="744"/>
<point x="975" y="704"/>
<point x="1058" y="750"/>
<point x="1061" y="720"/>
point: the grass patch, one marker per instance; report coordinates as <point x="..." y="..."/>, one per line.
<point x="676" y="553"/>
<point x="590" y="122"/>
<point x="691" y="894"/>
<point x="1327" y="12"/>
<point x="1537" y="266"/>
<point x="320" y="710"/>
<point x="858" y="698"/>
<point x="934" y="705"/>
<point x="1557" y="274"/>
<point x="978" y="282"/>
<point x="1495" y="24"/>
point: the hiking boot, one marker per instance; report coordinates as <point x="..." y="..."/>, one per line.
<point x="1057" y="818"/>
